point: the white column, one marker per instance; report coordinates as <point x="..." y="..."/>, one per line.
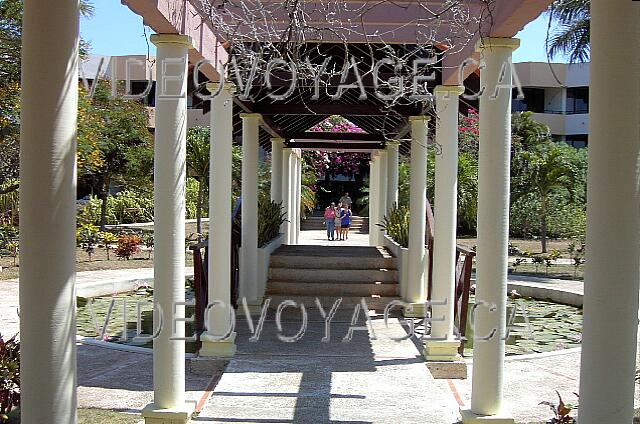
<point x="613" y="224"/>
<point x="299" y="197"/>
<point x="169" y="178"/>
<point x="444" y="244"/>
<point x="219" y="258"/>
<point x="493" y="231"/>
<point x="295" y="218"/>
<point x="249" y="251"/>
<point x="276" y="169"/>
<point x="374" y="196"/>
<point x="416" y="290"/>
<point x="47" y="211"/>
<point x="287" y="181"/>
<point x="392" y="173"/>
<point x="382" y="192"/>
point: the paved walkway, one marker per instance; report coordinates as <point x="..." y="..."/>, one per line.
<point x="363" y="381"/>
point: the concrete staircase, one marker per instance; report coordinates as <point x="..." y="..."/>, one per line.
<point x="301" y="273"/>
<point x="314" y="222"/>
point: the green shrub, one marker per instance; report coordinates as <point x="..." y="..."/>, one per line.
<point x="126" y="207"/>
<point x="270" y="218"/>
<point x="87" y="237"/>
<point x="10" y="373"/>
<point x="564" y="219"/>
<point x="396" y="225"/>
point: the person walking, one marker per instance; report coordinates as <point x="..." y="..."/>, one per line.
<point x="346" y="201"/>
<point x="338" y="221"/>
<point x="330" y="220"/>
<point x="345" y="223"/>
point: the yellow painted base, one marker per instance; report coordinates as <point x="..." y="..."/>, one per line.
<point x="212" y="347"/>
<point x="469" y="417"/>
<point x="442" y="350"/>
<point x="180" y="415"/>
<point x="414" y="310"/>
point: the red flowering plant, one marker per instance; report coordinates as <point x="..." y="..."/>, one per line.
<point x="336" y="163"/>
<point x="468" y="132"/>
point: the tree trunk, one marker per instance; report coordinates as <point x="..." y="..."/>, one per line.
<point x="105" y="197"/>
<point x="199" y="209"/>
<point x="543" y="224"/>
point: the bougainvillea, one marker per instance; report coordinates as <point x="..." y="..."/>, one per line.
<point x="468" y="132"/>
<point x="336" y="163"/>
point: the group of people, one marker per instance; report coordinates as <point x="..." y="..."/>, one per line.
<point x="338" y="219"/>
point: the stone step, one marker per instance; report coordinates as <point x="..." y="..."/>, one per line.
<point x="331" y="262"/>
<point x="293" y="288"/>
<point x="375" y="303"/>
<point x="334" y="275"/>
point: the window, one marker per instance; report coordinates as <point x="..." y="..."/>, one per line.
<point x="533" y="100"/>
<point x="578" y="100"/>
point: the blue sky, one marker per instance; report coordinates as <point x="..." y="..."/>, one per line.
<point x="115" y="30"/>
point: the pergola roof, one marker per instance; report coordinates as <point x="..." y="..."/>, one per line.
<point x="360" y="28"/>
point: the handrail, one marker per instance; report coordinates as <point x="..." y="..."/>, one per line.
<point x="464" y="267"/>
<point x="201" y="268"/>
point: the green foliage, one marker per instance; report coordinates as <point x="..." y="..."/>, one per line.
<point x="396" y="225"/>
<point x="550" y="176"/>
<point x="9" y="201"/>
<point x="108" y="239"/>
<point x="193" y="186"/>
<point x="9" y="376"/>
<point x="573" y="35"/>
<point x="149" y="241"/>
<point x="128" y="245"/>
<point x="270" y="217"/>
<point x="126" y="207"/>
<point x="87" y="237"/>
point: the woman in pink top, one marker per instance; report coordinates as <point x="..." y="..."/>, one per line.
<point x="329" y="220"/>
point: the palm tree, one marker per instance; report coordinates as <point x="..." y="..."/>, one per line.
<point x="545" y="169"/>
<point x="572" y="35"/>
<point x="198" y="167"/>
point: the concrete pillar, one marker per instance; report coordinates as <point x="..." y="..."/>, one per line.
<point x="416" y="290"/>
<point x="374" y="197"/>
<point x="249" y="251"/>
<point x="276" y="169"/>
<point x="392" y="173"/>
<point x="493" y="232"/>
<point x="169" y="176"/>
<point x="287" y="181"/>
<point x="219" y="259"/>
<point x="48" y="212"/>
<point x="299" y="197"/>
<point x="444" y="347"/>
<point x="382" y="192"/>
<point x="613" y="223"/>
<point x="295" y="208"/>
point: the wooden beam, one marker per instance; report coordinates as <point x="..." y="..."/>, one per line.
<point x="327" y="145"/>
<point x="308" y="135"/>
<point x="267" y="123"/>
<point x="334" y="109"/>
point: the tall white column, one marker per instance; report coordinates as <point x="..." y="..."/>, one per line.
<point x="444" y="244"/>
<point x="295" y="208"/>
<point x="299" y="197"/>
<point x="374" y="196"/>
<point x="287" y="181"/>
<point x="613" y="223"/>
<point x="169" y="178"/>
<point x="382" y="192"/>
<point x="276" y="169"/>
<point x="47" y="211"/>
<point x="493" y="231"/>
<point x="416" y="290"/>
<point x="249" y="250"/>
<point x="392" y="173"/>
<point x="220" y="204"/>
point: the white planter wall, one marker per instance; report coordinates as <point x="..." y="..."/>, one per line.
<point x="264" y="255"/>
